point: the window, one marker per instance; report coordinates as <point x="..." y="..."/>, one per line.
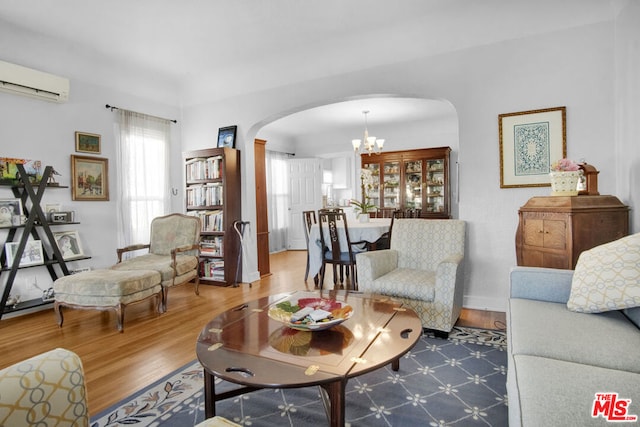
<point x="143" y="174"/>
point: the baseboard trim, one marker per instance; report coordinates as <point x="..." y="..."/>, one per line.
<point x="485" y="303"/>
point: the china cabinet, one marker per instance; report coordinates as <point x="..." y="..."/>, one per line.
<point x="554" y="230"/>
<point x="213" y="194"/>
<point x="36" y="228"/>
<point x="412" y="179"/>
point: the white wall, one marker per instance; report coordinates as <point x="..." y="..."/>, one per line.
<point x="39" y="130"/>
<point x="585" y="69"/>
<point x="573" y="68"/>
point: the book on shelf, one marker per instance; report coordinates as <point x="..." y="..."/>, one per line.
<point x="212" y="269"/>
<point x="211" y="220"/>
<point x="201" y="168"/>
<point x="212" y="246"/>
<point x="205" y="195"/>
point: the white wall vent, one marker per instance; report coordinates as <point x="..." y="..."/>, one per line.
<point x="36" y="84"/>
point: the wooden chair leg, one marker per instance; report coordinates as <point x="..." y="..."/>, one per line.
<point x="58" y="310"/>
<point x="120" y="317"/>
<point x="320" y="282"/>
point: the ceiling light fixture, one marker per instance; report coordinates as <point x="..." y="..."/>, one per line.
<point x="371" y="144"/>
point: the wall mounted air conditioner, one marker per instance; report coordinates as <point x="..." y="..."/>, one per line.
<point x="36" y="84"/>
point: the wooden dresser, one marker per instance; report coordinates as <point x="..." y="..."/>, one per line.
<point x="553" y="231"/>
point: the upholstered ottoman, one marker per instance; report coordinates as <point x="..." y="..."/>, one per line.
<point x="106" y="290"/>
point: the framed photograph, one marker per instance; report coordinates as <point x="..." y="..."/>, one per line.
<point x="9" y="208"/>
<point x="530" y="141"/>
<point x="69" y="244"/>
<point x="32" y="254"/>
<point x="52" y="207"/>
<point x="87" y="143"/>
<point x="89" y="178"/>
<point x="227" y="136"/>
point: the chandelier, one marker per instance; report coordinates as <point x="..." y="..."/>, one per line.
<point x="371" y="144"/>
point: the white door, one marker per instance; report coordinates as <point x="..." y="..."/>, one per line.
<point x="305" y="192"/>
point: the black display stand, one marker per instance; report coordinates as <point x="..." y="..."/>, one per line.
<point x="36" y="219"/>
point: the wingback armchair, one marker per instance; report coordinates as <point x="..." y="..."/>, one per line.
<point x="423" y="268"/>
<point x="172" y="251"/>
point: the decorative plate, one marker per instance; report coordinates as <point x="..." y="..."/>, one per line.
<point x="283" y="311"/>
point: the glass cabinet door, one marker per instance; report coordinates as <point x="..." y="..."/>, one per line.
<point x="391" y="185"/>
<point x="416" y="180"/>
<point x="373" y="192"/>
<point x="434" y="187"/>
<point x="413" y="184"/>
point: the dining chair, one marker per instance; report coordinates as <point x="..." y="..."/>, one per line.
<point x="384" y="241"/>
<point x="329" y="210"/>
<point x="309" y="218"/>
<point x="386" y="212"/>
<point x="336" y="251"/>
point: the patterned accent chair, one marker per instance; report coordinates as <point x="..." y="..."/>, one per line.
<point x="423" y="268"/>
<point x="173" y="252"/>
<point x="45" y="390"/>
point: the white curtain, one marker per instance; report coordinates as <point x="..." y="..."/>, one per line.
<point x="142" y="151"/>
<point x="277" y="199"/>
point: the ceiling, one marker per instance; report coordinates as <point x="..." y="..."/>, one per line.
<point x="215" y="49"/>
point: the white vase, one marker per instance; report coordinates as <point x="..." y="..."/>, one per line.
<point x="363" y="217"/>
<point x="564" y="183"/>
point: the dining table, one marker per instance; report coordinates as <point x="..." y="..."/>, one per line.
<point x="368" y="231"/>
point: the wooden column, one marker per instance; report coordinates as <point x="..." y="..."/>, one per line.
<point x="262" y="220"/>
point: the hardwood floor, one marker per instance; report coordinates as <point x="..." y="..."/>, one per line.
<point x="153" y="345"/>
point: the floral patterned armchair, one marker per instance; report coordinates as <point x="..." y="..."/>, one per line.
<point x="423" y="268"/>
<point x="173" y="252"/>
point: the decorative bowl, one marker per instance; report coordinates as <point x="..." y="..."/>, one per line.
<point x="283" y="311"/>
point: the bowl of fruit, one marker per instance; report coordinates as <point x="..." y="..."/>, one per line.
<point x="310" y="314"/>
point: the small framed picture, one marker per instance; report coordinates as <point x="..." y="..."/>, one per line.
<point x="32" y="254"/>
<point x="87" y="143"/>
<point x="69" y="244"/>
<point x="530" y="141"/>
<point x="9" y="208"/>
<point x="52" y="207"/>
<point x="227" y="136"/>
<point x="89" y="178"/>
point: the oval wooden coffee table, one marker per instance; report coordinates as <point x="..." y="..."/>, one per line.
<point x="245" y="346"/>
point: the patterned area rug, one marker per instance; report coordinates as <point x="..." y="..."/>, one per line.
<point x="459" y="381"/>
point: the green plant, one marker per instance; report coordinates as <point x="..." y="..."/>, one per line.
<point x="362" y="207"/>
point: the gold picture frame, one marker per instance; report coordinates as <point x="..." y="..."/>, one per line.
<point x="88" y="143"/>
<point x="89" y="178"/>
<point x="530" y="141"/>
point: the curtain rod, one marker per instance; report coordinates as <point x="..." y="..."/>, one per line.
<point x="111" y="107"/>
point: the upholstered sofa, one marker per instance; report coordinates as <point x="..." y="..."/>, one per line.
<point x="568" y="358"/>
<point x="423" y="268"/>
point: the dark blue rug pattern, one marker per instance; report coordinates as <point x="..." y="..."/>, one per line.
<point x="456" y="382"/>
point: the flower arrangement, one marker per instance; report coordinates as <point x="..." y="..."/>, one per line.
<point x="366" y="181"/>
<point x="564" y="165"/>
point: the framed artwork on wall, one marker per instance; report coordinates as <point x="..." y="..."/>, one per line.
<point x="87" y="143"/>
<point x="89" y="178"/>
<point x="530" y="141"/>
<point x="227" y="136"/>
